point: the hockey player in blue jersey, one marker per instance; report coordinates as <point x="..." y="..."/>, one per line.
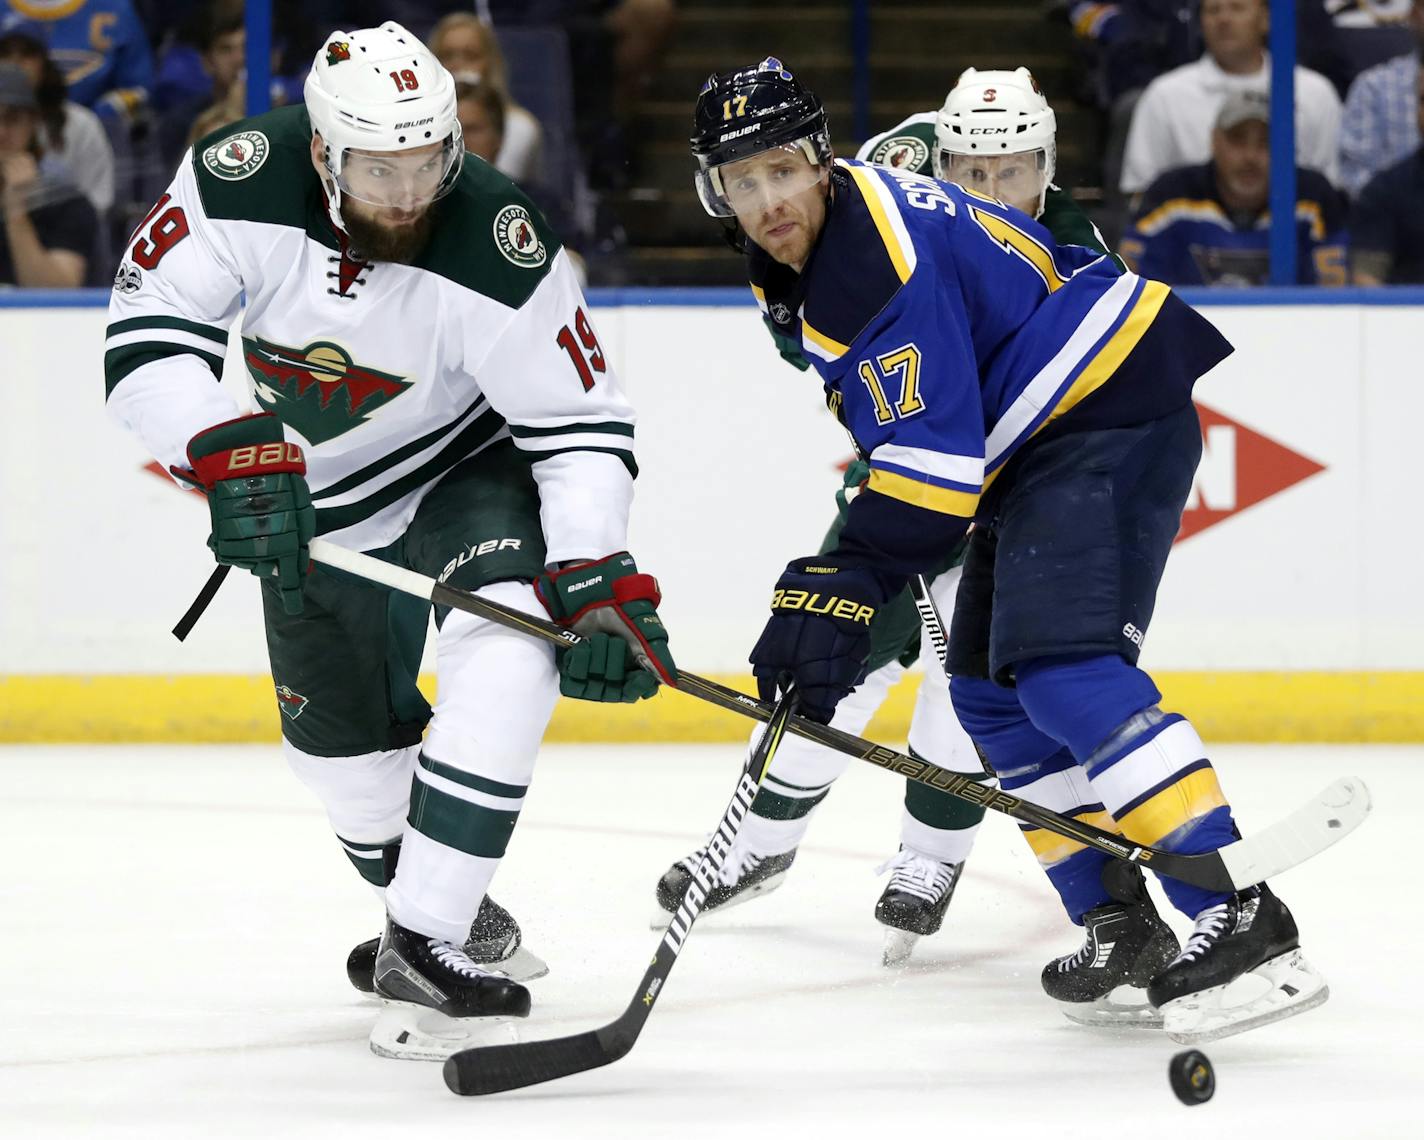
<point x="989" y="376"/>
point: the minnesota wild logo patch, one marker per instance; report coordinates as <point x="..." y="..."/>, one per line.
<point x="320" y="390"/>
<point x="238" y="156"/>
<point x="292" y="704"/>
<point x="517" y="238"/>
<point x="903" y="152"/>
<point x="337" y="52"/>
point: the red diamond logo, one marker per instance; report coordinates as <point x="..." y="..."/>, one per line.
<point x="1239" y="468"/>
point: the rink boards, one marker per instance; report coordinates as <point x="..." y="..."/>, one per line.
<point x="1289" y="609"/>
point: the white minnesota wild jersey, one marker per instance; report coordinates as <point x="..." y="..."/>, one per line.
<point x="388" y="375"/>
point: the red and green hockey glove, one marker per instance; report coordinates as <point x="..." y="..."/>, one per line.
<point x="614" y="608"/>
<point x="261" y="510"/>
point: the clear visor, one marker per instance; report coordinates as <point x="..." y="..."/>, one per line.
<point x="749" y="186"/>
<point x="1017" y="179"/>
<point x="399" y="179"/>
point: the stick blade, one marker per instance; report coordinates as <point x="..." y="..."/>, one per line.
<point x="501" y="1068"/>
<point x="1305" y="833"/>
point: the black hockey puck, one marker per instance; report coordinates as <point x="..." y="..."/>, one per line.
<point x="1192" y="1077"/>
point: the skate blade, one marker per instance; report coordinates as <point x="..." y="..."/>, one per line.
<point x="408" y="1032"/>
<point x="1283" y="987"/>
<point x="1126" y="1007"/>
<point x="521" y="966"/>
<point x="899" y="944"/>
<point x="661" y="917"/>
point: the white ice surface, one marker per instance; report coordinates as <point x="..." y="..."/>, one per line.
<point x="175" y="922"/>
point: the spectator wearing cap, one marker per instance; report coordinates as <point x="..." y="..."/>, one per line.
<point x="1383" y="125"/>
<point x="468" y="48"/>
<point x="1387" y="224"/>
<point x="1172" y="122"/>
<point x="70" y="131"/>
<point x="50" y="229"/>
<point x="1210" y="225"/>
<point x="102" y="48"/>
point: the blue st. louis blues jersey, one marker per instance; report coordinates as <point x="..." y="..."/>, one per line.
<point x="949" y="329"/>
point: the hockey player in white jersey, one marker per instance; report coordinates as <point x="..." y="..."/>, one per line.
<point x="427" y="387"/>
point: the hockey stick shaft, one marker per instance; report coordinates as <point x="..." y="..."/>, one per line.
<point x="500" y="1068"/>
<point x="1213" y="870"/>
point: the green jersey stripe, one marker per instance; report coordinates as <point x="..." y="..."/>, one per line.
<point x="120" y="362"/>
<point x="612" y="427"/>
<point x="468" y="780"/>
<point x="457" y="823"/>
<point x="401" y="454"/>
<point x="210" y="331"/>
<point x="476" y="436"/>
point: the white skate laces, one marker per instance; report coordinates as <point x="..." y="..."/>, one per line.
<point x="738" y="862"/>
<point x="1211" y="924"/>
<point x="919" y="875"/>
<point x="454" y="958"/>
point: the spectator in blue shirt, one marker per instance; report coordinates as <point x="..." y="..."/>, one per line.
<point x="1379" y="110"/>
<point x="102" y="48"/>
<point x="1209" y="224"/>
<point x="1387" y="225"/>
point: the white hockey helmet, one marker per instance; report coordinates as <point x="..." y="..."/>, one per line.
<point x="381" y="89"/>
<point x="990" y="113"/>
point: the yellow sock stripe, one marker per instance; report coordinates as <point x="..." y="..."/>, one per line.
<point x="1174" y="806"/>
<point x="1051" y="849"/>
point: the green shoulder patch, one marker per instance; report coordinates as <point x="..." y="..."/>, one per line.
<point x="260" y="170"/>
<point x="903" y="152"/>
<point x="489" y="237"/>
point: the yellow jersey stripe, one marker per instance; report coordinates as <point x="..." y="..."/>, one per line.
<point x="760" y="294"/>
<point x="829" y="348"/>
<point x="939" y="499"/>
<point x="1174" y="806"/>
<point x="1112" y="354"/>
<point x="1051" y="848"/>
<point x="870" y="191"/>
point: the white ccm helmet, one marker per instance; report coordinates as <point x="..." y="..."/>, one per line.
<point x="381" y="89"/>
<point x="990" y="113"/>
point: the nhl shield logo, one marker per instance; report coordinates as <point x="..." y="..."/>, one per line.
<point x="780" y="313"/>
<point x="290" y="703"/>
<point x="903" y="152"/>
<point x="238" y="156"/>
<point x="517" y="238"/>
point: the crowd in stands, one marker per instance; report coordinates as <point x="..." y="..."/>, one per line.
<point x="1183" y="86"/>
<point x="99" y="100"/>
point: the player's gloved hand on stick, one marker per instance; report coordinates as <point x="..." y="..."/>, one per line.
<point x="624" y="655"/>
<point x="261" y="510"/>
<point x="819" y="633"/>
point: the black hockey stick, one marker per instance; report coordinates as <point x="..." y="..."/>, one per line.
<point x="499" y="1068"/>
<point x="1332" y="815"/>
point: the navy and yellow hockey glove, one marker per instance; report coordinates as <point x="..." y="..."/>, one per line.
<point x="624" y="655"/>
<point x="819" y="632"/>
<point x="261" y="509"/>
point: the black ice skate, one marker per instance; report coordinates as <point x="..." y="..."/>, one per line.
<point x="1241" y="968"/>
<point x="914" y="901"/>
<point x="743" y="877"/>
<point x="438" y="1000"/>
<point x="495" y="945"/>
<point x="1125" y="945"/>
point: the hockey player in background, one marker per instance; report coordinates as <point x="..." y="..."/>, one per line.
<point x="991" y="376"/>
<point x="428" y="388"/>
<point x="964" y="141"/>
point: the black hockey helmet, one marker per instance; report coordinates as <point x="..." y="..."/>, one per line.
<point x="745" y="112"/>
